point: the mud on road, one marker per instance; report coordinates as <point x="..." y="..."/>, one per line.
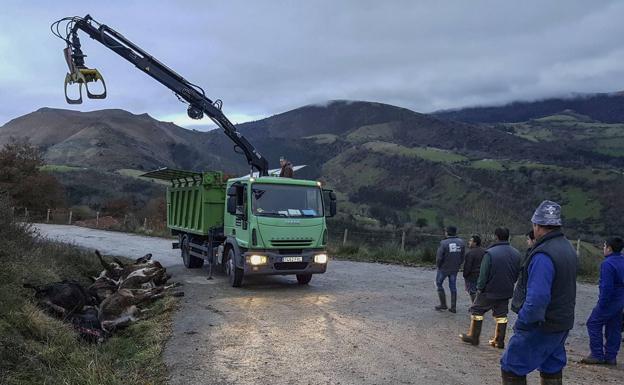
<point x="360" y="323"/>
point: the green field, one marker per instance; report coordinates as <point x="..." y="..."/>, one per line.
<point x="59" y="168"/>
<point x="428" y="153"/>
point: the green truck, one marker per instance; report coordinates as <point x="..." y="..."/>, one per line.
<point x="249" y="225"/>
<point x="254" y="225"/>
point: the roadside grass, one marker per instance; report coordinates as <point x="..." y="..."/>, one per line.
<point x="36" y="348"/>
<point x="389" y="253"/>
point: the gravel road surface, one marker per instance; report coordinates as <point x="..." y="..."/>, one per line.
<point x="360" y="323"/>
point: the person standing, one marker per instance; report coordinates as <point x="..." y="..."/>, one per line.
<point x="498" y="273"/>
<point x="472" y="265"/>
<point x="449" y="258"/>
<point x="544" y="298"/>
<point x="286" y="168"/>
<point x="607" y="314"/>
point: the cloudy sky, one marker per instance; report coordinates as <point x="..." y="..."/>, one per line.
<point x="266" y="57"/>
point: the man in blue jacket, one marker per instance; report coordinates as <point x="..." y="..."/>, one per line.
<point x="449" y="258"/>
<point x="544" y="298"/>
<point x="607" y="314"/>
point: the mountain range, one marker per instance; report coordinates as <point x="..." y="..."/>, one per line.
<point x="390" y="166"/>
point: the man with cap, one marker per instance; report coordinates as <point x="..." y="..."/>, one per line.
<point x="449" y="258"/>
<point x="497" y="276"/>
<point x="544" y="298"/>
<point x="607" y="314"/>
<point x="287" y="169"/>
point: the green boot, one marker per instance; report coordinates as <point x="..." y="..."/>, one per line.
<point x="551" y="379"/>
<point x="511" y="379"/>
<point x="442" y="297"/>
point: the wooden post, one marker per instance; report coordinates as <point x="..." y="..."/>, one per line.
<point x="344" y="237"/>
<point x="13" y="212"/>
<point x="125" y="218"/>
<point x="578" y="247"/>
<point x="403" y="241"/>
<point x="70" y="217"/>
<point x="145" y="223"/>
<point x="48" y="216"/>
<point x="25" y="213"/>
<point x="97" y="219"/>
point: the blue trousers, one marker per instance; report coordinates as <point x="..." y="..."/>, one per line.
<point x="452" y="281"/>
<point x="605" y="347"/>
<point x="535" y="349"/>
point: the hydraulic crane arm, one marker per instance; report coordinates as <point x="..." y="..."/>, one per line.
<point x="198" y="103"/>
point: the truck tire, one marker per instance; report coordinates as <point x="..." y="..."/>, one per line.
<point x="304" y="279"/>
<point x="234" y="273"/>
<point x="190" y="261"/>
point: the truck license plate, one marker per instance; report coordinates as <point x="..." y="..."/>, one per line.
<point x="292" y="259"/>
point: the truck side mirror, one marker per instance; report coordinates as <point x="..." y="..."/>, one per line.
<point x="331" y="196"/>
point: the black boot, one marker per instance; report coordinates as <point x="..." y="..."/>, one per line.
<point x="512" y="379"/>
<point x="472" y="337"/>
<point x="442" y="305"/>
<point x="453" y="308"/>
<point x="499" y="335"/>
<point x="551" y="379"/>
<point x="473" y="296"/>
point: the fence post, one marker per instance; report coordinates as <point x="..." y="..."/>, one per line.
<point x="145" y="223"/>
<point x="25" y="213"/>
<point x="13" y="212"/>
<point x="48" y="216"/>
<point x="70" y="217"/>
<point x="403" y="241"/>
<point x="125" y="218"/>
<point x="344" y="237"/>
<point x="578" y="247"/>
<point x="97" y="219"/>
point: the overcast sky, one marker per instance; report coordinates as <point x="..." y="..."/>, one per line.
<point x="266" y="57"/>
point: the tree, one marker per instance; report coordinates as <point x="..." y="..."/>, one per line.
<point x="421" y="222"/>
<point x="22" y="180"/>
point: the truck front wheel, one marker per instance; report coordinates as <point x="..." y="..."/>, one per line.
<point x="190" y="261"/>
<point x="234" y="273"/>
<point x="304" y="279"/>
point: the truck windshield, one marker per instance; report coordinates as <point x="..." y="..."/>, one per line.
<point x="274" y="200"/>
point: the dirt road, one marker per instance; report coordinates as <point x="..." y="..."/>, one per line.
<point x="359" y="323"/>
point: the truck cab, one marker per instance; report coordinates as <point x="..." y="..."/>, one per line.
<point x="275" y="226"/>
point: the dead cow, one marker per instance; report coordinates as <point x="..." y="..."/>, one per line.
<point x="120" y="309"/>
<point x="147" y="277"/>
<point x="102" y="287"/>
<point x="62" y="298"/>
<point x="112" y="270"/>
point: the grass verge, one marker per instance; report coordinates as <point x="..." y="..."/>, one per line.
<point x="38" y="349"/>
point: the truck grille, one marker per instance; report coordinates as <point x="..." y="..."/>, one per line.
<point x="290" y="265"/>
<point x="291" y="242"/>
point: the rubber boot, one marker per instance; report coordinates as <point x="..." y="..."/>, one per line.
<point x="472" y="337"/>
<point x="453" y="308"/>
<point x="512" y="379"/>
<point x="442" y="296"/>
<point x="551" y="379"/>
<point x="499" y="335"/>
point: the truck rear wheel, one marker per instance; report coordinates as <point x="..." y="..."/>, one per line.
<point x="234" y="273"/>
<point x="190" y="261"/>
<point x="304" y="279"/>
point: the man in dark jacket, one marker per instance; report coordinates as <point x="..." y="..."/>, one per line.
<point x="544" y="299"/>
<point x="449" y="258"/>
<point x="472" y="265"/>
<point x="497" y="276"/>
<point x="607" y="314"/>
<point x="287" y="169"/>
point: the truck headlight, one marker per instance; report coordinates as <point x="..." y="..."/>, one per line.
<point x="257" y="259"/>
<point x="320" y="258"/>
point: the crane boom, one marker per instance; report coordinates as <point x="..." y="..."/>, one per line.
<point x="198" y="104"/>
